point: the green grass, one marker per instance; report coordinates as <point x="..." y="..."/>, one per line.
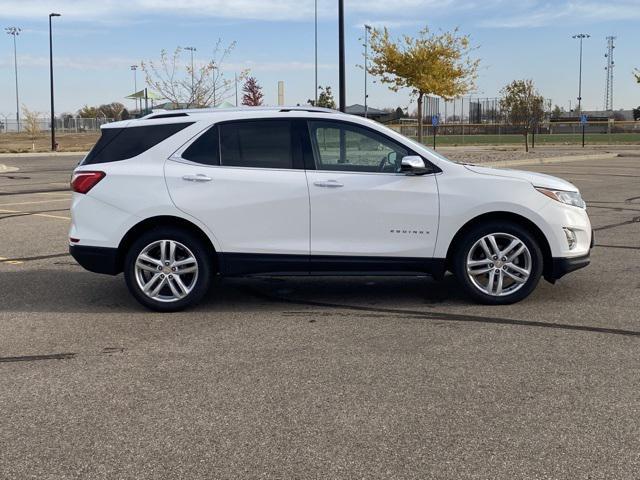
<point x="542" y="139"/>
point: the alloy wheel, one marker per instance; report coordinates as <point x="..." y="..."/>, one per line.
<point x="166" y="271"/>
<point x="499" y="264"/>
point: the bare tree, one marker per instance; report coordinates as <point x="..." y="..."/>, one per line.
<point x="203" y="85"/>
<point x="31" y="122"/>
<point x="112" y="110"/>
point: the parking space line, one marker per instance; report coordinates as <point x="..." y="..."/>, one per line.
<point x="30" y="203"/>
<point x="56" y="192"/>
<point x="10" y="262"/>
<point x="35" y="214"/>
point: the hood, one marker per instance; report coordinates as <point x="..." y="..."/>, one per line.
<point x="537" y="179"/>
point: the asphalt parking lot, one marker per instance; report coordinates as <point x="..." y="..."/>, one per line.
<point x="317" y="378"/>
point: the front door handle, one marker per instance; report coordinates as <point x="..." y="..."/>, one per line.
<point x="328" y="184"/>
<point x="200" y="177"/>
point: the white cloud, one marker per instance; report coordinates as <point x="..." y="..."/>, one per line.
<point x="538" y="14"/>
<point x="114" y="10"/>
<point x="109" y="63"/>
<point x="492" y="13"/>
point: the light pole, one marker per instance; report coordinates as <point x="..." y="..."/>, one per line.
<point x="191" y="49"/>
<point x="580" y="36"/>
<point x="367" y="29"/>
<point x="15" y="31"/>
<point x="53" y="115"/>
<point x="341" y="57"/>
<point x="134" y="68"/>
<point x="316" y="51"/>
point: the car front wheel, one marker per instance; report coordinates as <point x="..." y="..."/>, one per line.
<point x="498" y="263"/>
<point x="168" y="270"/>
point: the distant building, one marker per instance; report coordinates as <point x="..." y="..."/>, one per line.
<point x="372" y="113"/>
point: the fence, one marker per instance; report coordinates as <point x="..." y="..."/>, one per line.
<point x="64" y="124"/>
<point x="463" y="110"/>
<point x="547" y="132"/>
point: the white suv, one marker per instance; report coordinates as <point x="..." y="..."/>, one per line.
<point x="175" y="198"/>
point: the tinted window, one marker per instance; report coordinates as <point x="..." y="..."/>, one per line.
<point x="261" y="143"/>
<point x="347" y="147"/>
<point x="206" y="148"/>
<point x="122" y="143"/>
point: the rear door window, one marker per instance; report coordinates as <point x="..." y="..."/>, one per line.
<point x="205" y="149"/>
<point x="257" y="144"/>
<point x="117" y="144"/>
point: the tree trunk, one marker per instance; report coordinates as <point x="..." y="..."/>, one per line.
<point x="420" y="119"/>
<point x="526" y="141"/>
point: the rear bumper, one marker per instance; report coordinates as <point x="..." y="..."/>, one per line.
<point x="96" y="259"/>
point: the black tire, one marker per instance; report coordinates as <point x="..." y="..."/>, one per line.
<point x="200" y="283"/>
<point x="469" y="239"/>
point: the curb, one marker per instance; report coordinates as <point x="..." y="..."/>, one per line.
<point x="544" y="161"/>
<point x="42" y="154"/>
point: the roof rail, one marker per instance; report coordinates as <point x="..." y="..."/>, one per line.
<point x="166" y="115"/>
<point x="195" y="111"/>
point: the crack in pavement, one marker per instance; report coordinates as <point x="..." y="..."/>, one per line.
<point x="452" y="317"/>
<point x="620" y="224"/>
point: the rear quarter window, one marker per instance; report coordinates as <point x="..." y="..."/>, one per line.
<point x="117" y="144"/>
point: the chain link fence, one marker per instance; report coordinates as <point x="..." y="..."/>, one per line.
<point x="63" y="125"/>
<point x="569" y="132"/>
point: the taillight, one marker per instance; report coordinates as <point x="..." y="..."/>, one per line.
<point x="82" y="182"/>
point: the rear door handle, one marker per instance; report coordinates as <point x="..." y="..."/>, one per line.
<point x="328" y="184"/>
<point x="200" y="177"/>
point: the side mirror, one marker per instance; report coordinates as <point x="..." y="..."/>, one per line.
<point x="413" y="165"/>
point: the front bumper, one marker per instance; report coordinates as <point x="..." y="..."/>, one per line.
<point x="96" y="259"/>
<point x="561" y="266"/>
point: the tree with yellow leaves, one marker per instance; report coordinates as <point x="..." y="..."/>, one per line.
<point x="435" y="64"/>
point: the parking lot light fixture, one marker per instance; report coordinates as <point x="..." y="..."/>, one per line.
<point x="15" y="31"/>
<point x="580" y="36"/>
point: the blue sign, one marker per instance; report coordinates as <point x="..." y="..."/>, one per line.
<point x="435" y="120"/>
<point x="583" y="119"/>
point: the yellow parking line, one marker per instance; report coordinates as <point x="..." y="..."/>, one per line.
<point x="36" y="214"/>
<point x="29" y="203"/>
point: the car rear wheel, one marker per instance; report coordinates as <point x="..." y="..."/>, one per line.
<point x="168" y="269"/>
<point x="498" y="263"/>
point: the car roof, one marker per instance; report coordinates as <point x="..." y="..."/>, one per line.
<point x="217" y="114"/>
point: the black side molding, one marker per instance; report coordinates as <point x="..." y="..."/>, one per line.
<point x="96" y="259"/>
<point x="239" y="264"/>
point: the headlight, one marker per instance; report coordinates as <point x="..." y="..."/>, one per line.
<point x="570" y="198"/>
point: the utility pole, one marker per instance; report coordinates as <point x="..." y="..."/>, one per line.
<point x="316" y="52"/>
<point x="134" y="68"/>
<point x="608" y="95"/>
<point x="15" y="31"/>
<point x="53" y="115"/>
<point x="192" y="50"/>
<point x="580" y="36"/>
<point x="367" y="29"/>
<point x="341" y="57"/>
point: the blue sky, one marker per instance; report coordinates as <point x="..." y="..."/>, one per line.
<point x="97" y="40"/>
